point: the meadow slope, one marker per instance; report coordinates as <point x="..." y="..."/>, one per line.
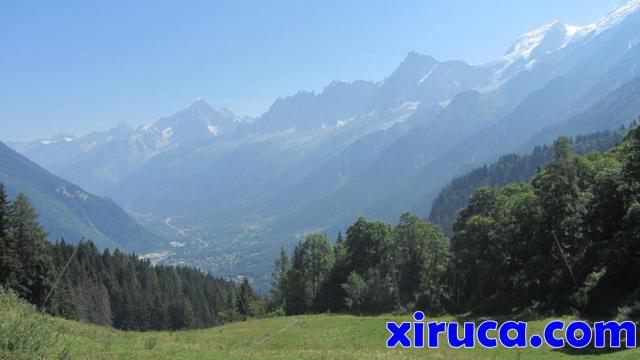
<point x="32" y="335"/>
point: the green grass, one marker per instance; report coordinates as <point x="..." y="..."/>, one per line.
<point x="299" y="337"/>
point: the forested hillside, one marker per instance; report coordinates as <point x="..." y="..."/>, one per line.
<point x="80" y="282"/>
<point x="508" y="169"/>
<point x="569" y="239"/>
<point x="566" y="241"/>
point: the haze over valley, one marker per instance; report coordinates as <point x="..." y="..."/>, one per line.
<point x="224" y="192"/>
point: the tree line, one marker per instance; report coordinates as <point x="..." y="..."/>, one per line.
<point x="109" y="288"/>
<point x="375" y="268"/>
<point x="565" y="241"/>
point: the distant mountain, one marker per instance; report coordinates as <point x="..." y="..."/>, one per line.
<point x="423" y="79"/>
<point x="339" y="101"/>
<point x="419" y="79"/>
<point x="315" y="161"/>
<point x="199" y="122"/>
<point x="101" y="159"/>
<point x="68" y="211"/>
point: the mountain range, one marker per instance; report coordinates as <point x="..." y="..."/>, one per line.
<point x="232" y="190"/>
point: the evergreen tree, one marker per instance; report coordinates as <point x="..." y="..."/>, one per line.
<point x="245" y="298"/>
<point x="35" y="271"/>
<point x="4" y="211"/>
<point x="9" y="262"/>
<point x="279" y="280"/>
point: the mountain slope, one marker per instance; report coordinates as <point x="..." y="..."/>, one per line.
<point x="67" y="211"/>
<point x="512" y="168"/>
<point x="617" y="109"/>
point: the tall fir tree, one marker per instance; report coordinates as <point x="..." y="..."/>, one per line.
<point x="245" y="298"/>
<point x="9" y="262"/>
<point x="34" y="278"/>
<point x="279" y="280"/>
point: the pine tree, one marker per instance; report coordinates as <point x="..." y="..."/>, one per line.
<point x="9" y="262"/>
<point x="35" y="275"/>
<point x="279" y="279"/>
<point x="245" y="298"/>
<point x="4" y="211"/>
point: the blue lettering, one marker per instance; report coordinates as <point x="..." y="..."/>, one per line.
<point x="483" y="337"/>
<point x="398" y="334"/>
<point x="573" y="328"/>
<point x="615" y="333"/>
<point x="468" y="335"/>
<point x="549" y="334"/>
<point x="520" y="340"/>
<point x="434" y="329"/>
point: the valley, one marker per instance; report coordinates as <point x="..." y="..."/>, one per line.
<point x="225" y="192"/>
<point x="320" y="180"/>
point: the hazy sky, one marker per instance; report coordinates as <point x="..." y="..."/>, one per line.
<point x="77" y="66"/>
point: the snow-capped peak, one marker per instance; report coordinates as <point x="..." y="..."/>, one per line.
<point x="614" y="17"/>
<point x="535" y="47"/>
<point x="530" y="50"/>
<point x="198" y="122"/>
<point x="555" y="36"/>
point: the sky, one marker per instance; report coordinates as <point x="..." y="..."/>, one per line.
<point x="79" y="66"/>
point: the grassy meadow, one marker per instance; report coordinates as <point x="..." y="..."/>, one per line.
<point x="25" y="334"/>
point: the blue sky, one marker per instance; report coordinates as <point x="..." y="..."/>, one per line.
<point x="77" y="66"/>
